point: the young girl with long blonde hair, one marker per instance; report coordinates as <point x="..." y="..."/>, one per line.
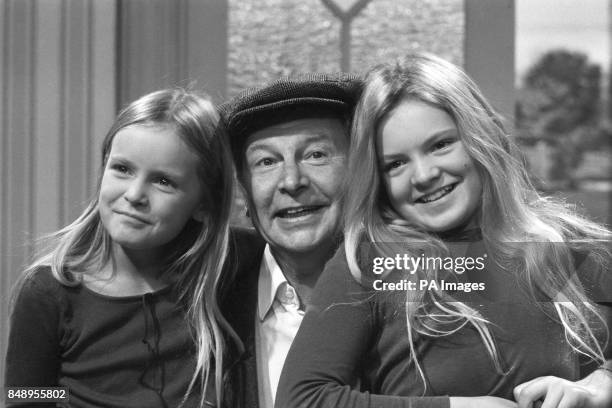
<point x="121" y="305"/>
<point x="458" y="284"/>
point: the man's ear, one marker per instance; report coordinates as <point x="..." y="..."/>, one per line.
<point x="244" y="192"/>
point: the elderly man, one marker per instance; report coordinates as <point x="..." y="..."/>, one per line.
<point x="289" y="140"/>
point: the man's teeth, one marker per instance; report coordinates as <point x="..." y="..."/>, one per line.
<point x="437" y="195"/>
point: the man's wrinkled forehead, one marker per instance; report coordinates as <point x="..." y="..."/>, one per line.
<point x="304" y="131"/>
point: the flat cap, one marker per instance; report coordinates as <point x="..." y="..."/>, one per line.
<point x="287" y="99"/>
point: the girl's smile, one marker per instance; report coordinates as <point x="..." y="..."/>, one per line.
<point x="437" y="194"/>
<point x="134" y="218"/>
<point x="429" y="177"/>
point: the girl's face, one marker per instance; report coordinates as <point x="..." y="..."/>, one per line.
<point x="428" y="175"/>
<point x="150" y="187"/>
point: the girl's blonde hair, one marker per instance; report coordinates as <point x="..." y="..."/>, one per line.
<point x="196" y="257"/>
<point x="511" y="209"/>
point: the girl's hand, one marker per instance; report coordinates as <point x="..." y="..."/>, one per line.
<point x="594" y="391"/>
<point x="481" y="402"/>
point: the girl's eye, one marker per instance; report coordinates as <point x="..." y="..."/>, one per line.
<point x="162" y="181"/>
<point x="393" y="165"/>
<point x="442" y="144"/>
<point x="120" y="168"/>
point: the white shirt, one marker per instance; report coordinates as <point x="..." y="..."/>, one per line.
<point x="277" y="322"/>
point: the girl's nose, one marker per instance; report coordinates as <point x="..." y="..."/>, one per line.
<point x="425" y="172"/>
<point x="136" y="193"/>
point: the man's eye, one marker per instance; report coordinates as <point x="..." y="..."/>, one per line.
<point x="317" y="154"/>
<point x="265" y="162"/>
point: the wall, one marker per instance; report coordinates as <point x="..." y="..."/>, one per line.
<point x="58" y="96"/>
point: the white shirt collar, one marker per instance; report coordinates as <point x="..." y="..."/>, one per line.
<point x="270" y="278"/>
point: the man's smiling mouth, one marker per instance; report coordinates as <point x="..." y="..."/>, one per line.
<point x="436" y="195"/>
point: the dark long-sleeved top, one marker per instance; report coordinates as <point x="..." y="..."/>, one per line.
<point x="123" y="352"/>
<point x="352" y="348"/>
<point x="239" y="307"/>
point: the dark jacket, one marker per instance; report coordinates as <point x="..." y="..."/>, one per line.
<point x="239" y="306"/>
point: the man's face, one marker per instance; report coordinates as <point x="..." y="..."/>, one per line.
<point x="292" y="175"/>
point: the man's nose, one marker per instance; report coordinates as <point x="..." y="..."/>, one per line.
<point x="293" y="179"/>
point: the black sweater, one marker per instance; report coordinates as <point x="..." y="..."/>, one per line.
<point x="352" y="348"/>
<point x="122" y="352"/>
